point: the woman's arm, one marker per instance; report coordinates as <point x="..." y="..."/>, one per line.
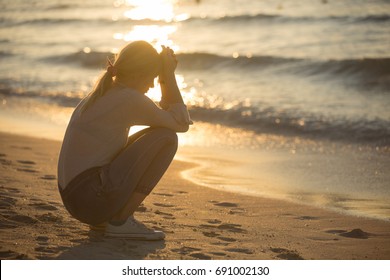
<point x="145" y="112"/>
<point x="171" y="99"/>
<point x="169" y="89"/>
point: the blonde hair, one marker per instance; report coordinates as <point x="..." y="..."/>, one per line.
<point x="135" y="60"/>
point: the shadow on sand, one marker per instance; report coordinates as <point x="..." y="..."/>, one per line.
<point x="98" y="247"/>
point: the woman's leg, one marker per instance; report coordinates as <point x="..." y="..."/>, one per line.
<point x="141" y="165"/>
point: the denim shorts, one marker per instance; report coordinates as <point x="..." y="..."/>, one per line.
<point x="91" y="198"/>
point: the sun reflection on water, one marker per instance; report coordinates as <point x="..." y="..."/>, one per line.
<point x="163" y="24"/>
<point x="155" y="34"/>
<point x="187" y="93"/>
<point x="158" y="10"/>
<point x="154" y="10"/>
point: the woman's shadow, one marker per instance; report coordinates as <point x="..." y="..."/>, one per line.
<point x="98" y="247"/>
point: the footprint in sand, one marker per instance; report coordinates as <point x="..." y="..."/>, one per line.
<point x="23" y="219"/>
<point x="210" y="234"/>
<point x="305" y="218"/>
<point x="215" y="225"/>
<point x="200" y="256"/>
<point x="163" y="205"/>
<point x="214" y="222"/>
<point x="355" y="233"/>
<point x="12" y="255"/>
<point x="27" y="170"/>
<point x="203" y="226"/>
<point x="232" y="228"/>
<point x="26" y="166"/>
<point x="4" y="161"/>
<point x="227" y="239"/>
<point x="42" y="240"/>
<point x="5" y="223"/>
<point x="4" y="194"/>
<point x="191" y="251"/>
<point x="218" y="254"/>
<point x="225" y="204"/>
<point x="6" y="202"/>
<point x="141" y="209"/>
<point x="26" y="162"/>
<point x="21" y="147"/>
<point x="163" y="194"/>
<point x="13" y="190"/>
<point x="48" y="177"/>
<point x="185" y="250"/>
<point x="240" y="250"/>
<point x="165" y="215"/>
<point x="43" y="206"/>
<point x="223" y="244"/>
<point x="50" y="217"/>
<point x="46" y="249"/>
<point x="286" y="254"/>
<point x="237" y="211"/>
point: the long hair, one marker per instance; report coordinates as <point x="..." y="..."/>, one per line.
<point x="135" y="60"/>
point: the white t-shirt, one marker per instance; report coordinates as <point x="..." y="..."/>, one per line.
<point x="95" y="136"/>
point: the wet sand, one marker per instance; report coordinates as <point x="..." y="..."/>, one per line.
<point x="200" y="223"/>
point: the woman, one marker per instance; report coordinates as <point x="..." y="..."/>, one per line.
<point x="104" y="175"/>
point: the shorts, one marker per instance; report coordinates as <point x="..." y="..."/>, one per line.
<point x="91" y="198"/>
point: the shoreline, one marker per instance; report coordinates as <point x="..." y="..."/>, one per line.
<point x="348" y="178"/>
<point x="200" y="222"/>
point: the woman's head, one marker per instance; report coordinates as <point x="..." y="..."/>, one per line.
<point x="136" y="66"/>
<point x="137" y="60"/>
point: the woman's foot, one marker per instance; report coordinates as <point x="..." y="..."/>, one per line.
<point x="133" y="229"/>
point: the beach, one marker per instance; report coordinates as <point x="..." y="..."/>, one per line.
<point x="288" y="156"/>
<point x="199" y="222"/>
<point x="289" y="99"/>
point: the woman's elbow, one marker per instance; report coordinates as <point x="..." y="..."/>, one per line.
<point x="183" y="128"/>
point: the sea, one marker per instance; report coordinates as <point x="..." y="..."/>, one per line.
<point x="290" y="99"/>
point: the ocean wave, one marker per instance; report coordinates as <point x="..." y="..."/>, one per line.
<point x="270" y="120"/>
<point x="98" y="21"/>
<point x="64" y="100"/>
<point x="370" y="68"/>
<point x="378" y="68"/>
<point x="89" y="59"/>
<point x="258" y="119"/>
<point x="206" y="60"/>
<point x="187" y="61"/>
<point x="53" y="21"/>
<point x="283" y="18"/>
<point x="241" y="18"/>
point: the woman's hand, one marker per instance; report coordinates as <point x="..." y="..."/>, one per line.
<point x="169" y="61"/>
<point x="169" y="89"/>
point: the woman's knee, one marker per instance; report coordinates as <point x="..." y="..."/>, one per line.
<point x="167" y="134"/>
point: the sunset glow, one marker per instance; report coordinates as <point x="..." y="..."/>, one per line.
<point x="157" y="22"/>
<point x="158" y="10"/>
<point x="155" y="34"/>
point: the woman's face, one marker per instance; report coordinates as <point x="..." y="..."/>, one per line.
<point x="146" y="83"/>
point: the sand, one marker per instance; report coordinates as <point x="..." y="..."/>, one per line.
<point x="200" y="223"/>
